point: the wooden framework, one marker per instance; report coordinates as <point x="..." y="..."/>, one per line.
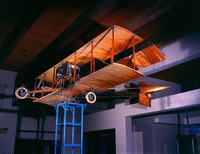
<point x="102" y="48"/>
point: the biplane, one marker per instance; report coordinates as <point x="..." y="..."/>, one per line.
<point x="99" y="64"/>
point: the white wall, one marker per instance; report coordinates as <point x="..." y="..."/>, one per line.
<point x="8" y="117"/>
<point x="8" y="113"/>
<point x="28" y="123"/>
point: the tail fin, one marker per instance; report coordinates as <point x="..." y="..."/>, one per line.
<point x="145" y="92"/>
<point x="145" y="99"/>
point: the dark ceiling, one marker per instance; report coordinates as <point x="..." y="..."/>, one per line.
<point x="37" y="34"/>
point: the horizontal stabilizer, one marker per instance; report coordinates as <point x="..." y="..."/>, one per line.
<point x="145" y="87"/>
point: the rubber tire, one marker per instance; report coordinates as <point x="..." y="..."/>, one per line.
<point x="17" y="93"/>
<point x="88" y="97"/>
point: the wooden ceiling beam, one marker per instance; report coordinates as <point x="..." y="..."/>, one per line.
<point x="151" y="13"/>
<point x="30" y="12"/>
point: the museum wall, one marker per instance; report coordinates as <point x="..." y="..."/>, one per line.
<point x="9" y="119"/>
<point x="39" y="128"/>
<point x="158" y="134"/>
<point x="8" y="113"/>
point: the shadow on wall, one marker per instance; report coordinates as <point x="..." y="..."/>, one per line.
<point x="190" y="44"/>
<point x="182" y="50"/>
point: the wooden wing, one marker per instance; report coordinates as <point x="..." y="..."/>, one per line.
<point x="99" y="48"/>
<point x="115" y="37"/>
<point x="107" y="77"/>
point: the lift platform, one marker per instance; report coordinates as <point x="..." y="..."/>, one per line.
<point x="70" y="122"/>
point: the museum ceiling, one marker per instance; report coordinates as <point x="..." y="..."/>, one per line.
<point x="37" y="34"/>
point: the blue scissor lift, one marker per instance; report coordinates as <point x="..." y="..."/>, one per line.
<point x="69" y="120"/>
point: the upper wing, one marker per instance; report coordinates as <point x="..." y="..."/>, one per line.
<point x="114" y="37"/>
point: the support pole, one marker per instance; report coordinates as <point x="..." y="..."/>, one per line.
<point x="92" y="65"/>
<point x="73" y="131"/>
<point x="64" y="129"/>
<point x="187" y="121"/>
<point x="75" y="67"/>
<point x="134" y="58"/>
<point x="113" y="49"/>
<point x="56" y="130"/>
<point x="54" y="74"/>
<point x="187" y="117"/>
<point x="82" y="122"/>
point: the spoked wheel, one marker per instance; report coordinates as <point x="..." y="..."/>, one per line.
<point x="21" y="93"/>
<point x="91" y="97"/>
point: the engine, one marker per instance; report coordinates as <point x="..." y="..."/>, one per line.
<point x="66" y="71"/>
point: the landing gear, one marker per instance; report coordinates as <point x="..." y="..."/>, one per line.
<point x="91" y="97"/>
<point x="21" y="93"/>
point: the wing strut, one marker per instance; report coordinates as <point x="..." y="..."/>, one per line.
<point x="113" y="49"/>
<point x="134" y="58"/>
<point x="71" y="93"/>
